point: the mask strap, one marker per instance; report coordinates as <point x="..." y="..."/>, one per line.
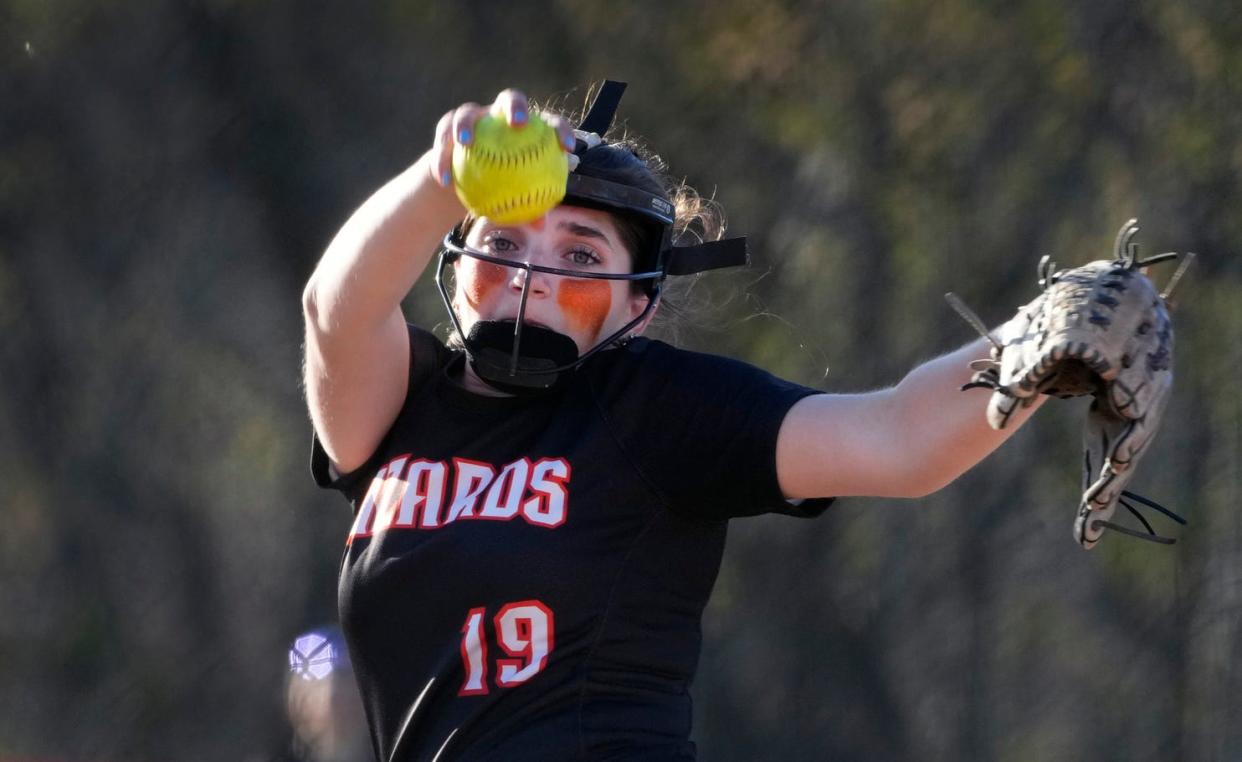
<point x="709" y="255"/>
<point x="603" y="108"/>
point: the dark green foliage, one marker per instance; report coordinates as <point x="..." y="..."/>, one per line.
<point x="170" y="173"/>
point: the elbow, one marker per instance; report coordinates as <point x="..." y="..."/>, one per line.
<point x="929" y="480"/>
<point x="310" y="307"/>
<point x="922" y="488"/>
<point x="313" y="311"/>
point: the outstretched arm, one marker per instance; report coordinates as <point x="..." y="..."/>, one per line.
<point x="906" y="441"/>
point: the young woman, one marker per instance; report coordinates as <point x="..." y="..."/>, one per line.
<point x="540" y="508"/>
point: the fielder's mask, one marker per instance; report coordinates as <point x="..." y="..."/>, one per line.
<point x="518" y="358"/>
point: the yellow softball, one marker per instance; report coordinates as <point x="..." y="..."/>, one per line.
<point x="510" y="175"/>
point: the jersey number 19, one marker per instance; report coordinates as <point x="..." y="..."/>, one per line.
<point x="524" y="630"/>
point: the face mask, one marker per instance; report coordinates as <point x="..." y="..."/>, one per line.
<point x="518" y="358"/>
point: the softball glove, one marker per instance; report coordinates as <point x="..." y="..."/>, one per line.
<point x="1102" y="330"/>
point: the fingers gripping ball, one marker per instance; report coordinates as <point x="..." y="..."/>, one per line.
<point x="510" y="175"/>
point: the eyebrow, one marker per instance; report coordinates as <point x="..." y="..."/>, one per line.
<point x="586" y="231"/>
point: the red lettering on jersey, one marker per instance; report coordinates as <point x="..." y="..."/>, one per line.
<point x="471" y="479"/>
<point x="412" y="493"/>
<point x="548" y="483"/>
<point x="424" y="494"/>
<point x="504" y="497"/>
<point x="389" y="495"/>
<point x="365" y="523"/>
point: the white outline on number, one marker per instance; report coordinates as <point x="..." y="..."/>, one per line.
<point x="474" y="654"/>
<point x="524" y="630"/>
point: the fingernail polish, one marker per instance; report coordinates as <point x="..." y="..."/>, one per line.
<point x="446" y="179"/>
<point x="519" y="117"/>
<point x="570" y="142"/>
<point x="463" y="136"/>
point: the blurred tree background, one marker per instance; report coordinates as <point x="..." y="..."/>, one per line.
<point x="171" y="171"/>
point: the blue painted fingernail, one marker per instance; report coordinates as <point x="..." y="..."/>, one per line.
<point x="519" y="117"/>
<point x="463" y="136"/>
<point x="570" y="142"/>
<point x="446" y="179"/>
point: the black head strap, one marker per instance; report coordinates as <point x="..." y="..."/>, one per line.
<point x="603" y="108"/>
<point x="709" y="255"/>
<point x="677" y="260"/>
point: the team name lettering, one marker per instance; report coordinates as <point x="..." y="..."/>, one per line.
<point x="415" y="493"/>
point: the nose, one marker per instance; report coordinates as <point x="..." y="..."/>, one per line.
<point x="539" y="285"/>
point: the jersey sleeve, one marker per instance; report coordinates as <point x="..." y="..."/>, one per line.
<point x="702" y="430"/>
<point x="427" y="356"/>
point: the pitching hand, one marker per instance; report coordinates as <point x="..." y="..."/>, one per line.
<point x="457" y="126"/>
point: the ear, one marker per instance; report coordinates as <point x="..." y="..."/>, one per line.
<point x="638" y="303"/>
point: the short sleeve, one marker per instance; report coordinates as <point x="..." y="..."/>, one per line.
<point x="427" y="356"/>
<point x="702" y="430"/>
<point x="327" y="477"/>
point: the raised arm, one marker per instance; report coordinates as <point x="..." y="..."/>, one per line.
<point x="357" y="347"/>
<point x="906" y="441"/>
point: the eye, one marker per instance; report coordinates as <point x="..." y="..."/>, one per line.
<point x="500" y="244"/>
<point x="582" y="257"/>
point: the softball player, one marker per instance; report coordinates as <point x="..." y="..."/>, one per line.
<point x="540" y="508"/>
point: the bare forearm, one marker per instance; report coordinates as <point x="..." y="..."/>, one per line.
<point x="949" y="427"/>
<point x="905" y="441"/>
<point x="381" y="251"/>
<point x="357" y="348"/>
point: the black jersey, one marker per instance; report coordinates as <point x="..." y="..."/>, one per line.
<point x="524" y="578"/>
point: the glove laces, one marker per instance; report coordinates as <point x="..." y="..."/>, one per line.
<point x="1151" y="535"/>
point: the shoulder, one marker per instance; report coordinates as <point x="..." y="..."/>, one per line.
<point x="701" y="428"/>
<point x="681" y="374"/>
<point x="656" y="358"/>
<point x="651" y="381"/>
